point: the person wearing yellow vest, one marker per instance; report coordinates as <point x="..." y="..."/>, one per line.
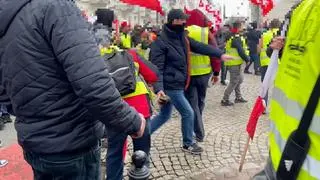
<point x="201" y="70"/>
<point x="295" y="99"/>
<point x="140" y="100"/>
<point x="266" y="40"/>
<point x="125" y="37"/>
<point x="235" y="47"/>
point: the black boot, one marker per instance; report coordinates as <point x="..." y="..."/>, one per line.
<point x="226" y="103"/>
<point x="240" y="100"/>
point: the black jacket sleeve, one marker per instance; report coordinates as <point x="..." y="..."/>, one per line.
<point x="77" y="52"/>
<point x="237" y="43"/>
<point x="204" y="49"/>
<point x="158" y="58"/>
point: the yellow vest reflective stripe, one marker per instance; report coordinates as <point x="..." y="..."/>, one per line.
<point x="234" y="52"/>
<point x="267" y="37"/>
<point x="296" y="77"/>
<point x="200" y="64"/>
<point x="126" y="41"/>
<point x="141" y="87"/>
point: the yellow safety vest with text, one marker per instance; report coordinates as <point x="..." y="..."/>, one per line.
<point x="141" y="87"/>
<point x="294" y="83"/>
<point x="126" y="40"/>
<point x="234" y="52"/>
<point x="200" y="64"/>
<point x="267" y="38"/>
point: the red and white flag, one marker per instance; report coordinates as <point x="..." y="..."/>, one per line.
<point x="212" y="11"/>
<point x="149" y="4"/>
<point x="265" y="5"/>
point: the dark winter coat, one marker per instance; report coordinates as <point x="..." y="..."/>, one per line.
<point x="54" y="79"/>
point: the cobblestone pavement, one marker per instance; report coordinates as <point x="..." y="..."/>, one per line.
<point x="223" y="145"/>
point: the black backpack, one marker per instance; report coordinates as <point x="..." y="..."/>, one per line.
<point x="122" y="70"/>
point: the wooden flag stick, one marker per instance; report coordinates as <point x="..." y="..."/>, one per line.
<point x="243" y="156"/>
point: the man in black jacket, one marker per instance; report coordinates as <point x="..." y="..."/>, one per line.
<point x="54" y="81"/>
<point x="171" y="53"/>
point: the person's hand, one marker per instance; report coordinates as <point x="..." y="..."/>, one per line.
<point x="160" y="94"/>
<point x="277" y="43"/>
<point x="142" y="128"/>
<point x="162" y="98"/>
<point x="226" y="57"/>
<point x="214" y="79"/>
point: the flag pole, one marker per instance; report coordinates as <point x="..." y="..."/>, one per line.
<point x="243" y="156"/>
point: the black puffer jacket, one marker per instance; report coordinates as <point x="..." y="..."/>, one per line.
<point x="55" y="80"/>
<point x="170" y="54"/>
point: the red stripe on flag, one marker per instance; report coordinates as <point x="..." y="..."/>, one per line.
<point x="254" y="117"/>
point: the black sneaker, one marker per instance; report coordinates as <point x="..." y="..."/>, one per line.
<point x="247" y="72"/>
<point x="226" y="103"/>
<point x="1" y="123"/>
<point x="7" y="118"/>
<point x="198" y="139"/>
<point x="224" y="83"/>
<point x="240" y="100"/>
<point x="193" y="149"/>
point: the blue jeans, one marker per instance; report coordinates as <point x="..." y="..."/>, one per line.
<point x="255" y="59"/>
<point x="82" y="166"/>
<point x="116" y="142"/>
<point x="180" y="102"/>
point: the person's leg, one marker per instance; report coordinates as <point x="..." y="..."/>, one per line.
<point x="239" y="98"/>
<point x="192" y="96"/>
<point x="247" y="68"/>
<point x="223" y="73"/>
<point x="234" y="80"/>
<point x="144" y="143"/>
<point x="163" y="116"/>
<point x="181" y="103"/>
<point x="202" y="92"/>
<point x="114" y="161"/>
<point x="65" y="166"/>
<point x="256" y="65"/>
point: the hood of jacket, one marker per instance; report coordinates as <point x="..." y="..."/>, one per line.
<point x="8" y="10"/>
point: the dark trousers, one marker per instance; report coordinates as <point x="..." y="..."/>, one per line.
<point x="223" y="72"/>
<point x="196" y="94"/>
<point x="116" y="142"/>
<point x="255" y="59"/>
<point x="84" y="166"/>
<point x="263" y="70"/>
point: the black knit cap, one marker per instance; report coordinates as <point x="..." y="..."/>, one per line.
<point x="176" y="14"/>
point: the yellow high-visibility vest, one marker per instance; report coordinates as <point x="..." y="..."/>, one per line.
<point x="126" y="40"/>
<point x="294" y="83"/>
<point x="200" y="64"/>
<point x="234" y="52"/>
<point x="267" y="38"/>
